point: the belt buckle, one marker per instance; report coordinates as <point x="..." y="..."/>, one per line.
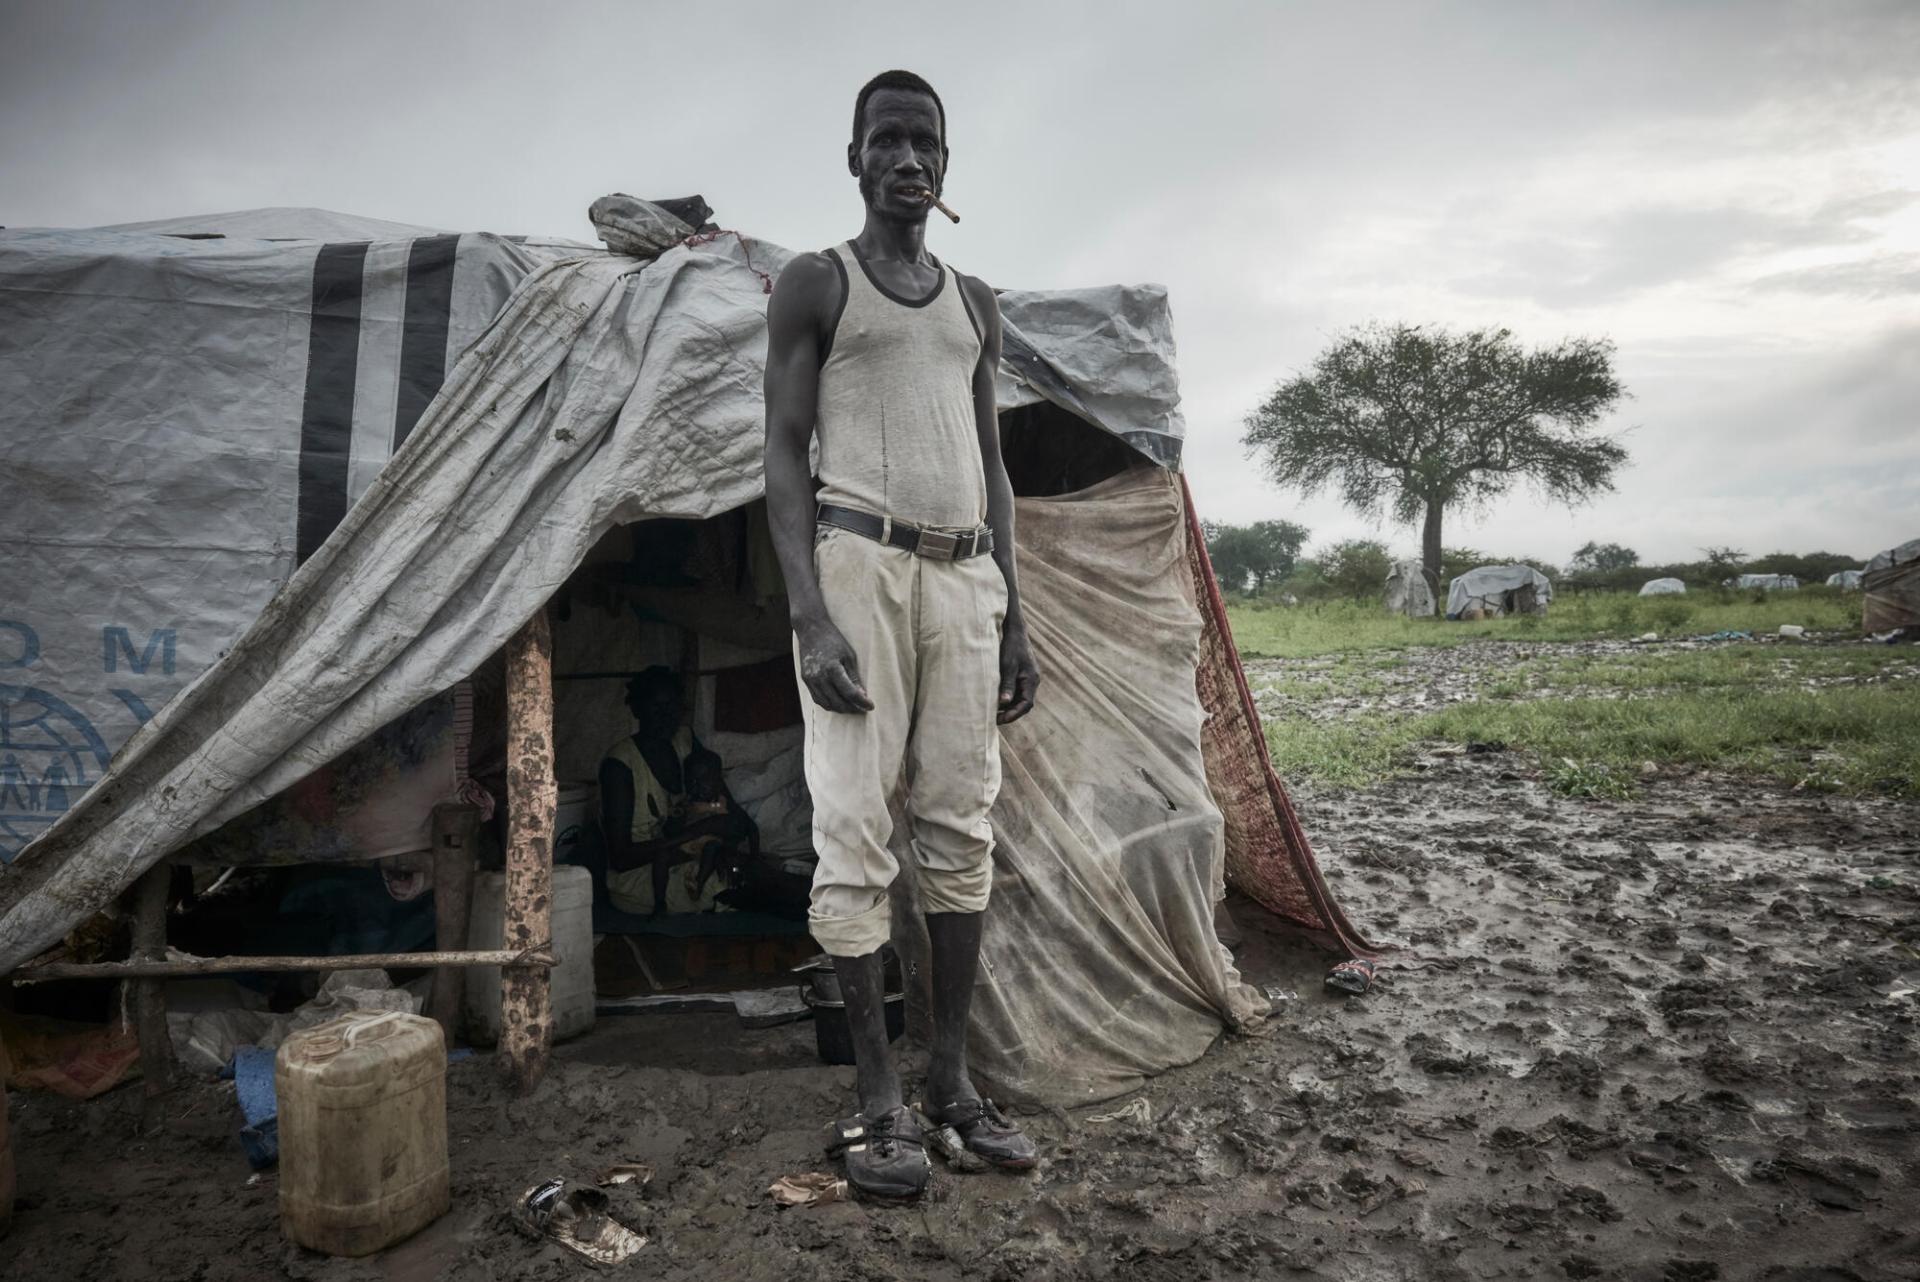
<point x="944" y="546"/>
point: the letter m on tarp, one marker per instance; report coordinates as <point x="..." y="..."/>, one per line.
<point x="116" y="645"/>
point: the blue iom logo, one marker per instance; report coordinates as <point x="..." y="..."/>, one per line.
<point x="49" y="755"/>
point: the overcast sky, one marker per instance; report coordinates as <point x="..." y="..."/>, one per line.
<point x="1731" y="192"/>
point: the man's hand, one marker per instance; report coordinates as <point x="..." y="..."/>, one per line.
<point x="1019" y="675"/>
<point x="831" y="670"/>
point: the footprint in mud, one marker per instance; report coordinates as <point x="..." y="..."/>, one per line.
<point x="1690" y="1271"/>
<point x="1822" y="1183"/>
<point x="1579" y="1073"/>
<point x="1437" y="1056"/>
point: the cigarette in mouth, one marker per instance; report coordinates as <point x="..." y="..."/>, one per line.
<point x="939" y="204"/>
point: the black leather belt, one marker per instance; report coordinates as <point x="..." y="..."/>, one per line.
<point x="938" y="545"/>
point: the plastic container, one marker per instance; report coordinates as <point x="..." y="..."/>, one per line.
<point x="363" y="1131"/>
<point x="571" y="977"/>
<point x="575" y="813"/>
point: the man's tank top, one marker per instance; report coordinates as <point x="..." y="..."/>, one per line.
<point x="896" y="425"/>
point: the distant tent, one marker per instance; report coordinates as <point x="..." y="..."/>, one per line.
<point x="1494" y="590"/>
<point x="1407" y="591"/>
<point x="1771" y="582"/>
<point x="1663" y="587"/>
<point x="1892" y="587"/>
<point x="1848" y="579"/>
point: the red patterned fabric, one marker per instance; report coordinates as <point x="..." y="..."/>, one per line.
<point x="1268" y="856"/>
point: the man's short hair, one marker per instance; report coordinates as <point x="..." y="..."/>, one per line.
<point x="895" y="80"/>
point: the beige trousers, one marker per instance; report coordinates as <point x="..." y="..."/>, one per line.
<point x="926" y="635"/>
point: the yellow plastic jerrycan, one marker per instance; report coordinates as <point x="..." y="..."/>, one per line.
<point x="363" y="1131"/>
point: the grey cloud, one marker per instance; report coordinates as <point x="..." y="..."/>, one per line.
<point x="1614" y="257"/>
<point x="1881" y="276"/>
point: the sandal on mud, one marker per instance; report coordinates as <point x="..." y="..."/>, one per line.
<point x="577" y="1218"/>
<point x="1355" y="976"/>
<point x="985" y="1130"/>
<point x="886" y="1157"/>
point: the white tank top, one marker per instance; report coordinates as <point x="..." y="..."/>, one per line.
<point x="895" y="417"/>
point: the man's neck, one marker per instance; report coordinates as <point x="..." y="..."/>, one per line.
<point x="889" y="240"/>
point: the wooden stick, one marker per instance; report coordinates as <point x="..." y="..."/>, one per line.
<point x="537" y="958"/>
<point x="453" y="830"/>
<point x="526" y="1007"/>
<point x="150" y="895"/>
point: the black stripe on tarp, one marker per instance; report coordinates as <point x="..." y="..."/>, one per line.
<point x="423" y="333"/>
<point x="326" y="420"/>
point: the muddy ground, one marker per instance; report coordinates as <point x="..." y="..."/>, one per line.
<point x="1648" y="1040"/>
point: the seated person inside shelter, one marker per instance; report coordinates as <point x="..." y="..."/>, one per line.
<point x="664" y="803"/>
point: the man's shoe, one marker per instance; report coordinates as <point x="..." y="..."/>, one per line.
<point x="986" y="1132"/>
<point x="886" y="1158"/>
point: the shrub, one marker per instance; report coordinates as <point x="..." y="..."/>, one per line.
<point x="1670" y="614"/>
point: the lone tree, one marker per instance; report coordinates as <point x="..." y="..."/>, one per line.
<point x="1413" y="420"/>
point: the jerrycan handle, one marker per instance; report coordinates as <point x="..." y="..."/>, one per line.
<point x="353" y="1033"/>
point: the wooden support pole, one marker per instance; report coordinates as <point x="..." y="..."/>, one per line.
<point x="38" y="974"/>
<point x="454" y="827"/>
<point x="526" y="1008"/>
<point x="149" y="903"/>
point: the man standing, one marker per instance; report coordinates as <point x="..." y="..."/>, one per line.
<point x="906" y="615"/>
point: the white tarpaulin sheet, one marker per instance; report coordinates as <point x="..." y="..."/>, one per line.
<point x="1407" y="591"/>
<point x="1487" y="589"/>
<point x="182" y="421"/>
<point x="606" y="391"/>
<point x="1663" y="587"/>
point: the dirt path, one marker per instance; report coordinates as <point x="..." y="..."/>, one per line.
<point x="1646" y="1042"/>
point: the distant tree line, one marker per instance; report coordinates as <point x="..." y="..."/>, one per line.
<point x="1267" y="560"/>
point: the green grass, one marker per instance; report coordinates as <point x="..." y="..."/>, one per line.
<point x="1345" y="754"/>
<point x="1332" y="627"/>
<point x="1849" y="739"/>
<point x="1828" y="718"/>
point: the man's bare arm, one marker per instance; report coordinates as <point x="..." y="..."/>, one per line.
<point x="1019" y="675"/>
<point x="796" y="320"/>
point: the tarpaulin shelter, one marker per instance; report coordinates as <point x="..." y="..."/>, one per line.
<point x="1769" y="582"/>
<point x="268" y="496"/>
<point x="1663" y="587"/>
<point x="1408" y="592"/>
<point x="1498" y="589"/>
<point x="1847" y="580"/>
<point x="1892" y="587"/>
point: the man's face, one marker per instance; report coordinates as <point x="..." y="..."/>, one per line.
<point x="899" y="159"/>
<point x="657" y="710"/>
